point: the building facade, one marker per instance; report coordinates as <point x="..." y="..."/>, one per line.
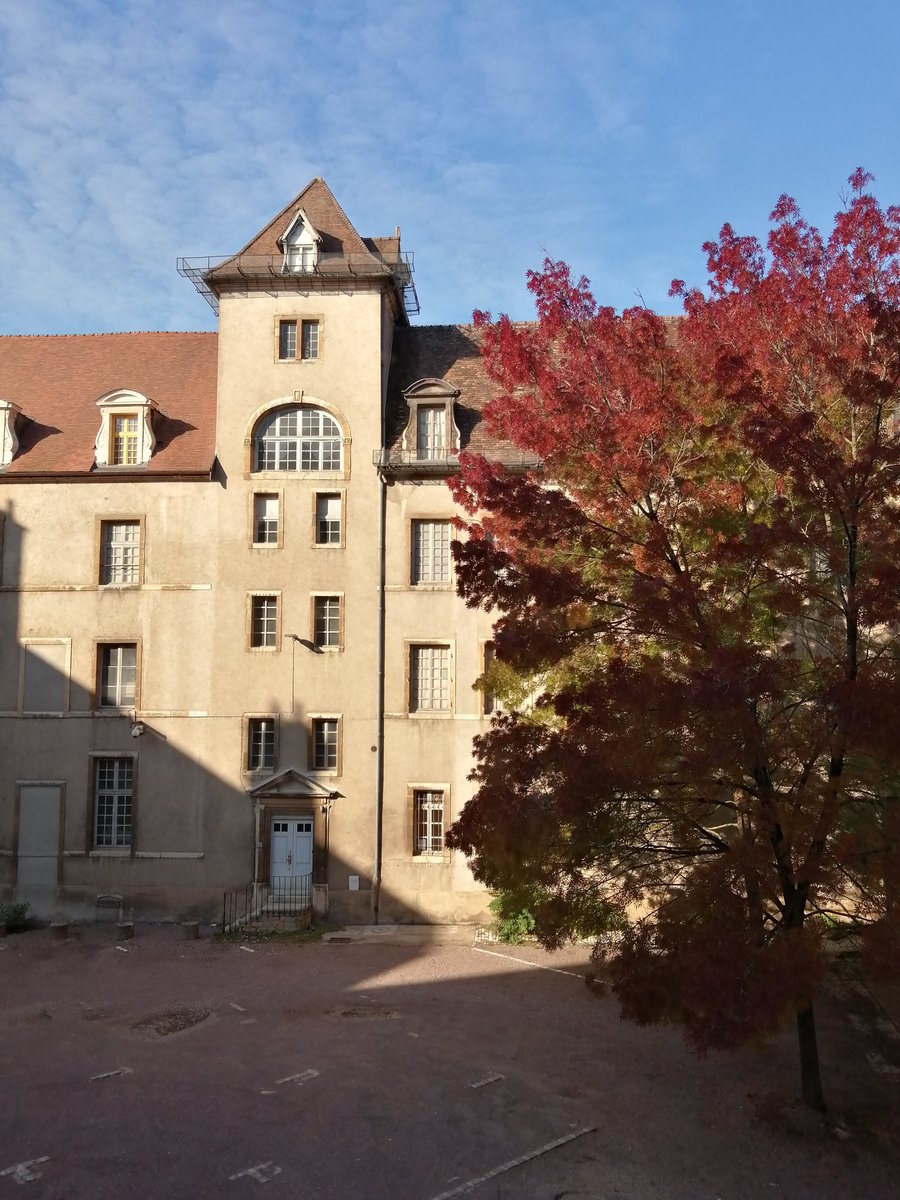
<point x="231" y="651"/>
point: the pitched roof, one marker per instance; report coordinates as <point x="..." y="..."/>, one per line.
<point x="451" y="353"/>
<point x="56" y="382"/>
<point x="326" y="215"/>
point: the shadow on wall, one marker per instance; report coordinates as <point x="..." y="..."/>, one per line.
<point x="97" y="801"/>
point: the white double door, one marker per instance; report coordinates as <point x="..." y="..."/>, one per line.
<point x="291" y="851"/>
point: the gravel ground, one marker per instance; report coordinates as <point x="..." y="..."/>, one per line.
<point x="375" y="1071"/>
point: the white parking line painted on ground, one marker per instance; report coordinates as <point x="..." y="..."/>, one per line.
<point x="493" y="1077"/>
<point x="300" y="1078"/>
<point x="262" y="1172"/>
<point x="237" y="1007"/>
<point x="525" y="962"/>
<point x="22" y="1172"/>
<point x="472" y="1184"/>
<point x="249" y="949"/>
<point x="109" y="1074"/>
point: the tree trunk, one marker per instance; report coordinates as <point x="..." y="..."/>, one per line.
<point x="810" y="1075"/>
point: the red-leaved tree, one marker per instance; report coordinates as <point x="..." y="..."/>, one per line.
<point x="701" y="595"/>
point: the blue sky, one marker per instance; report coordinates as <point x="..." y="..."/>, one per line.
<point x="615" y="134"/>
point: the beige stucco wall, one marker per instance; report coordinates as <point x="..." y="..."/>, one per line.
<point x="199" y="678"/>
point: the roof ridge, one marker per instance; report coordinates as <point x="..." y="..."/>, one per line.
<point x="338" y="206"/>
<point x="118" y="333"/>
<point x="290" y="204"/>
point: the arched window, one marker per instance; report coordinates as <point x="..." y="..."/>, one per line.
<point x="297" y="439"/>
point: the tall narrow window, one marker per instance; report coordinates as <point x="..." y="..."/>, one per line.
<point x="265" y="518"/>
<point x="116" y="676"/>
<point x="328" y="519"/>
<point x="309" y="340"/>
<point x="260" y="743"/>
<point x="430" y="424"/>
<point x="120" y="560"/>
<point x="113" y="796"/>
<point x="488" y="699"/>
<point x="327" y="622"/>
<point x="428" y="822"/>
<point x="429" y="679"/>
<point x="287" y="340"/>
<point x="325" y="744"/>
<point x="264" y="621"/>
<point x="430" y="552"/>
<point x="125" y="440"/>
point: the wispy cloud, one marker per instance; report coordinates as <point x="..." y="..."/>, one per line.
<point x="133" y="131"/>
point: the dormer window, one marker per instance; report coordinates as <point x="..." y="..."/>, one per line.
<point x="9" y="442"/>
<point x="300" y="243"/>
<point x="125" y="438"/>
<point x="431" y="436"/>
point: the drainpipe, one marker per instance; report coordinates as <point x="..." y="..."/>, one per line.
<point x="256" y="835"/>
<point x="379" y="711"/>
<point x="379" y="704"/>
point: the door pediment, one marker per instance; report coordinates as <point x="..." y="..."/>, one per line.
<point x="292" y="785"/>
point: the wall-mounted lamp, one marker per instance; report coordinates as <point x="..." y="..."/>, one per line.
<point x="137" y="728"/>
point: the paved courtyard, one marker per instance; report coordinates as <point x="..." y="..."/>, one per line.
<point x="387" y="1069"/>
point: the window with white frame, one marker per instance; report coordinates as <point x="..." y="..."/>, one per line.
<point x="325" y="744"/>
<point x="266" y="507"/>
<point x="309" y="340"/>
<point x="430" y="552"/>
<point x="294" y="348"/>
<point x="287" y="340"/>
<point x="260" y="743"/>
<point x="120" y="555"/>
<point x="113" y="802"/>
<point x="298" y="439"/>
<point x="428" y="822"/>
<point x="327" y="622"/>
<point x="125" y="437"/>
<point x="430" y="431"/>
<point x="328" y="519"/>
<point x="124" y="440"/>
<point x="117" y="675"/>
<point x="429" y="679"/>
<point x="264" y="621"/>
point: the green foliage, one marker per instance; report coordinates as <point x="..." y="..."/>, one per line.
<point x="14" y="917"/>
<point x="513" y="924"/>
<point x="552" y="915"/>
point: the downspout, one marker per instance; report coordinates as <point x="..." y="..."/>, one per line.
<point x="256" y="849"/>
<point x="379" y="709"/>
<point x="379" y="703"/>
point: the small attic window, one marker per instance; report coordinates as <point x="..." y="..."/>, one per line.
<point x="9" y="442"/>
<point x="300" y="244"/>
<point x="125" y="437"/>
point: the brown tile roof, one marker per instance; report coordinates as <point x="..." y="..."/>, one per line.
<point x="56" y="382"/>
<point x="451" y="353"/>
<point x="327" y="217"/>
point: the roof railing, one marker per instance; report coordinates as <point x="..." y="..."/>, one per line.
<point x="257" y="272"/>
